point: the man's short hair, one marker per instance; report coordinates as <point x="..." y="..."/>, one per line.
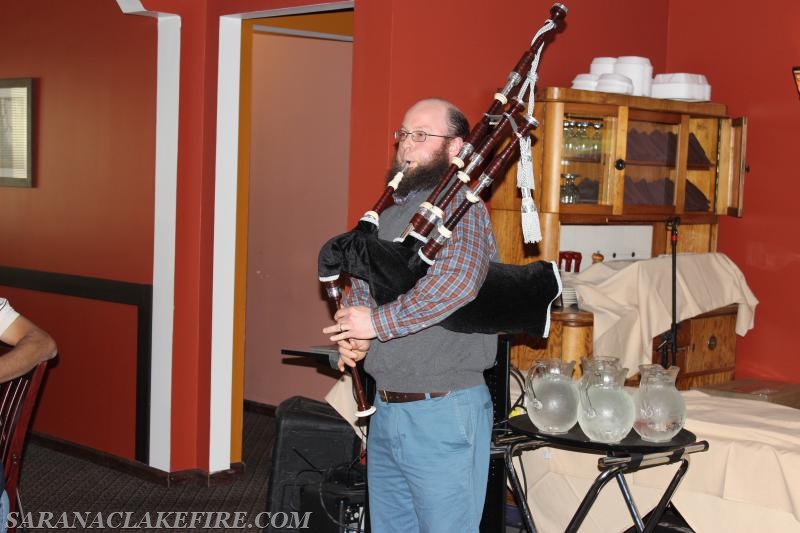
<point x="457" y="123"/>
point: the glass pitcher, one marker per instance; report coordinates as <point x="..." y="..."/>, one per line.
<point x="606" y="410"/>
<point x="660" y="408"/>
<point x="594" y="363"/>
<point x="598" y="362"/>
<point x="551" y="396"/>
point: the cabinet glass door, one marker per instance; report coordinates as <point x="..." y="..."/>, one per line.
<point x="651" y="166"/>
<point x="701" y="171"/>
<point x="587" y="157"/>
<point x="731" y="166"/>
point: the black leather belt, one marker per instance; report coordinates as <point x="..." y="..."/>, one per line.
<point x="402" y="397"/>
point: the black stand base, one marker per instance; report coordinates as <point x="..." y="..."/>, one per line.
<point x="671" y="522"/>
<point x="336" y="506"/>
<point x="497" y="379"/>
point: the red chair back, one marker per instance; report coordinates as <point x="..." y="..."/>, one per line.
<point x="17" y="401"/>
<point x="568" y="259"/>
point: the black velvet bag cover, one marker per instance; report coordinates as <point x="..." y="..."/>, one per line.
<point x="390" y="268"/>
<point x="512" y="299"/>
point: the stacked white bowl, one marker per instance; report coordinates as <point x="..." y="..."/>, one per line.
<point x="602" y="65"/>
<point x="586" y="82"/>
<point x="639" y="70"/>
<point x="614" y="83"/>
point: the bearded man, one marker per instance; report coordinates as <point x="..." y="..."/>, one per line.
<point x="428" y="443"/>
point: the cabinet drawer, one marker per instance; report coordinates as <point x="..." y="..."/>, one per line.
<point x="706" y="348"/>
<point x="712" y="344"/>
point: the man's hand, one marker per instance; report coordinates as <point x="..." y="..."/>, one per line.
<point x="352" y="323"/>
<point x="352" y="332"/>
<point x="351" y="351"/>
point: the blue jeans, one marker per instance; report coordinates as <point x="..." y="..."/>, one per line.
<point x="428" y="462"/>
<point x="4" y="505"/>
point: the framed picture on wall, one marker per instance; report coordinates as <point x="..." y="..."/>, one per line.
<point x="16" y="135"/>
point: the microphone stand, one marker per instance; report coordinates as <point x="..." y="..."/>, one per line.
<point x="669" y="342"/>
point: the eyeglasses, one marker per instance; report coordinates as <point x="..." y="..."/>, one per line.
<point x="416" y="136"/>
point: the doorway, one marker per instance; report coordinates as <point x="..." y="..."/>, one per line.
<point x="235" y="149"/>
<point x="299" y="151"/>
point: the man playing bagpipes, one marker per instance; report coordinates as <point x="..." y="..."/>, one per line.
<point x="428" y="297"/>
<point x="428" y="445"/>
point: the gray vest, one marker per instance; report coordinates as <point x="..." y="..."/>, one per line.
<point x="433" y="359"/>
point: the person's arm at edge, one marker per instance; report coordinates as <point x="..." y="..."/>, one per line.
<point x="31" y="345"/>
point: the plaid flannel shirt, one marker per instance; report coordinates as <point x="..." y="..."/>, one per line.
<point x="450" y="283"/>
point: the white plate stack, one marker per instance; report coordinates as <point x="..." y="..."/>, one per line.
<point x="682" y="86"/>
<point x="568" y="297"/>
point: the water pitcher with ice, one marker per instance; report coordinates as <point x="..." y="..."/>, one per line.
<point x="551" y="396"/>
<point x="660" y="408"/>
<point x="606" y="410"/>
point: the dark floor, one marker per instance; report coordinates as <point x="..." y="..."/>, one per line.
<point x="57" y="483"/>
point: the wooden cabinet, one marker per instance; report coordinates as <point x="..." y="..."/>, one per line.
<point x="603" y="158"/>
<point x="610" y="159"/>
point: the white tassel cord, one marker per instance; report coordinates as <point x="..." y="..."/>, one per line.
<point x="531" y="227"/>
<point x="531" y="230"/>
<point x="525" y="165"/>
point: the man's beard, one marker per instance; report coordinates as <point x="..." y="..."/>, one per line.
<point x="421" y="177"/>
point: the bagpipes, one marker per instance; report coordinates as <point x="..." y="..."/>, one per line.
<point x="513" y="298"/>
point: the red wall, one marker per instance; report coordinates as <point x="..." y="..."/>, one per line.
<point x="91" y="210"/>
<point x="749" y="68"/>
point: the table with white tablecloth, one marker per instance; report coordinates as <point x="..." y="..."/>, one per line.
<point x="748" y="480"/>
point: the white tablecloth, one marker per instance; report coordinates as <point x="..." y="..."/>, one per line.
<point x="632" y="300"/>
<point x="748" y="481"/>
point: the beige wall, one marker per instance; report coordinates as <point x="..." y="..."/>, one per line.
<point x="298" y="200"/>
